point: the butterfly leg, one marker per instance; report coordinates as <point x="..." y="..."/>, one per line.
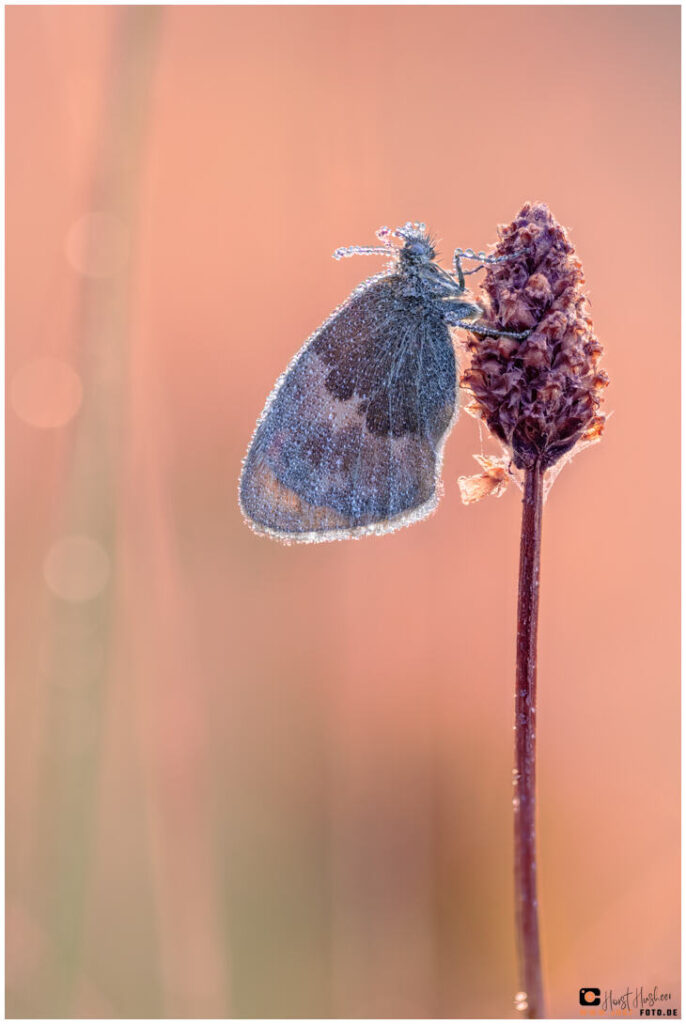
<point x="489" y="332"/>
<point x="484" y="260"/>
<point x="458" y="310"/>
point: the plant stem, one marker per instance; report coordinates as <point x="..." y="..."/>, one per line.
<point x="526" y="899"/>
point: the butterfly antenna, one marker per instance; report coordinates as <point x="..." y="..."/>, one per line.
<point x="407" y="231"/>
<point x="346" y="251"/>
<point x="385" y="236"/>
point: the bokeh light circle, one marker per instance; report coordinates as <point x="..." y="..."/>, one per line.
<point x="97" y="244"/>
<point x="46" y="392"/>
<point x="76" y="568"/>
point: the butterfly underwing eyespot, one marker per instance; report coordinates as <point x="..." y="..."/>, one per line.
<point x="350" y="441"/>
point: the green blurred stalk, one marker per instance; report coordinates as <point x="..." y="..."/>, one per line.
<point x="76" y="713"/>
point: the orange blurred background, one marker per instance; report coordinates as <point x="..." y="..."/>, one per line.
<point x="252" y="780"/>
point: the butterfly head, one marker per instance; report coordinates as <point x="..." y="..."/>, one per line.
<point x="416" y="248"/>
<point x="418" y="245"/>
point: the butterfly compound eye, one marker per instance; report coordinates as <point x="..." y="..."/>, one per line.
<point x="418" y="249"/>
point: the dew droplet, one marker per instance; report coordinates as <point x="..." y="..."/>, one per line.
<point x="46" y="392"/>
<point x="97" y="244"/>
<point x="521" y="1001"/>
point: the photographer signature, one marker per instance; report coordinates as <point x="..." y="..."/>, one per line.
<point x="636" y="999"/>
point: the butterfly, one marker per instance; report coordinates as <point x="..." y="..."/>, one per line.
<point x="351" y="439"/>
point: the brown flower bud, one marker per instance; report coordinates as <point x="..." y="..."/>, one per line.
<point x="539" y="395"/>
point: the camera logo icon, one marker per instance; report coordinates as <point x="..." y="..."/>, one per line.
<point x="589" y="996"/>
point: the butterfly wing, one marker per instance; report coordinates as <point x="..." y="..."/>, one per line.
<point x="351" y="438"/>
